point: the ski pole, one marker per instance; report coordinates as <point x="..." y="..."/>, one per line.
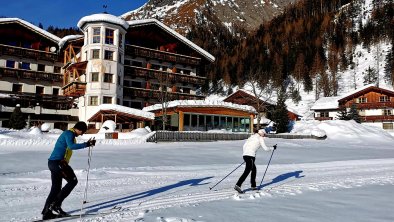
<point x="268" y="165"/>
<point x="85" y="195"/>
<point x="227" y="175"/>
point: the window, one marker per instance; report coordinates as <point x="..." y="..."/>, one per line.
<point x="120" y="40"/>
<point x="136" y="105"/>
<point x="387" y="112"/>
<point x="25" y="65"/>
<point x="384" y="99"/>
<point x="107" y="100"/>
<point x="108" y="55"/>
<point x="95" y="77"/>
<point x="388" y="126"/>
<point x="136" y="84"/>
<point x="109" y="36"/>
<point x="323" y="114"/>
<point x="41" y="67"/>
<point x="361" y="100"/>
<point x="108" y="77"/>
<point x="95" y="53"/>
<point x="17" y="88"/>
<point x="10" y="64"/>
<point x="96" y="35"/>
<point x="93" y="101"/>
<point x="55" y="91"/>
<point x="39" y="90"/>
<point x="56" y="69"/>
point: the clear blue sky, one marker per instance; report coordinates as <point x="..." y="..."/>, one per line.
<point x="63" y="13"/>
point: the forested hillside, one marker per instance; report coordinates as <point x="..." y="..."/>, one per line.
<point x="310" y="44"/>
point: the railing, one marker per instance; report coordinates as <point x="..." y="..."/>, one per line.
<point x="323" y="118"/>
<point x="375" y="105"/>
<point x="134" y="71"/>
<point x="134" y="50"/>
<point x="156" y="94"/>
<point x="376" y="118"/>
<point x="74" y="89"/>
<point x="29" y="74"/>
<point x="27" y="53"/>
<point x="295" y="136"/>
<point x="164" y="136"/>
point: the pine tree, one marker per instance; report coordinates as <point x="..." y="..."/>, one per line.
<point x="353" y="114"/>
<point x="16" y="119"/>
<point x="370" y="76"/>
<point x="280" y="115"/>
<point x="343" y="114"/>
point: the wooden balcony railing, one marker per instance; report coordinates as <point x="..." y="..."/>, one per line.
<point x="27" y="53"/>
<point x="134" y="50"/>
<point x="156" y="94"/>
<point x="29" y="74"/>
<point x="376" y="118"/>
<point x="375" y="105"/>
<point x="74" y="89"/>
<point x="134" y="71"/>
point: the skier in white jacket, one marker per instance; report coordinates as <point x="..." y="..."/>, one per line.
<point x="252" y="144"/>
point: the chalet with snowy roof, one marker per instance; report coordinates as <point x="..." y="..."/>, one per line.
<point x="30" y="75"/>
<point x="245" y="97"/>
<point x="129" y="63"/>
<point x="375" y="106"/>
<point x="204" y="115"/>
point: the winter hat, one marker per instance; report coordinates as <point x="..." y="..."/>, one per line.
<point x="81" y="126"/>
<point x="262" y="131"/>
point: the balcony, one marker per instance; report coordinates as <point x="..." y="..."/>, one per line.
<point x="377" y="118"/>
<point x="156" y="94"/>
<point x="27" y="53"/>
<point x="29" y="74"/>
<point x="373" y="105"/>
<point x="74" y="89"/>
<point x="134" y="71"/>
<point x="134" y="50"/>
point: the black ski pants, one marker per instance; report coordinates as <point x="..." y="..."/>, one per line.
<point x="250" y="166"/>
<point x="60" y="170"/>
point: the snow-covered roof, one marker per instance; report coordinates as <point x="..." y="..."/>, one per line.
<point x="32" y="27"/>
<point x="124" y="109"/>
<point x="363" y="88"/>
<point x="103" y="17"/>
<point x="175" y="34"/>
<point x="201" y="103"/>
<point x="326" y="103"/>
<point x="68" y="38"/>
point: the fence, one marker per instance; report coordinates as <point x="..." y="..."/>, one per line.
<point x="295" y="136"/>
<point x="163" y="136"/>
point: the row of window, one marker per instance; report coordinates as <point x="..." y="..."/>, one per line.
<point x="365" y="100"/>
<point x="108" y="77"/>
<point x="17" y="88"/>
<point x="109" y="36"/>
<point x="108" y="55"/>
<point x="93" y="100"/>
<point x="27" y="66"/>
<point x="385" y="112"/>
<point x="158" y="67"/>
<point x="195" y="122"/>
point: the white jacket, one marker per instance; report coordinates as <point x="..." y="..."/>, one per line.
<point x="253" y="143"/>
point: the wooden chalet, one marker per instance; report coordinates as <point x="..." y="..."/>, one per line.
<point x="201" y="115"/>
<point x="375" y="106"/>
<point x="264" y="105"/>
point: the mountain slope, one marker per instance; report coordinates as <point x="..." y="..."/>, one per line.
<point x="181" y="14"/>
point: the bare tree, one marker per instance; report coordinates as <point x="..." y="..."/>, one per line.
<point x="164" y="96"/>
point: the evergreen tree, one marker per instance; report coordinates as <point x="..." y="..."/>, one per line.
<point x="353" y="114"/>
<point x="343" y="115"/>
<point x="280" y="115"/>
<point x="16" y="119"/>
<point x="370" y="76"/>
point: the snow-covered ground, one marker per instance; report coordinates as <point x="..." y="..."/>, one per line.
<point x="347" y="177"/>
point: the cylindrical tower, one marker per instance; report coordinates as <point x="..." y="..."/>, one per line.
<point x="103" y="50"/>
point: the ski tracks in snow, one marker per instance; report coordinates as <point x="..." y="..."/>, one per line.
<point x="281" y="181"/>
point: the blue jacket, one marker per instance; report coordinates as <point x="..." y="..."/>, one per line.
<point x="66" y="141"/>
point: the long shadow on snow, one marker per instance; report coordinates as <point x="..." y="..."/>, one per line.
<point x="112" y="203"/>
<point x="282" y="177"/>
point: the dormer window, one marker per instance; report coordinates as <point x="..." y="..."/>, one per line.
<point x="109" y="36"/>
<point x="96" y="35"/>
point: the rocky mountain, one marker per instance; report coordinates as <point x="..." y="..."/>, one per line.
<point x="181" y="14"/>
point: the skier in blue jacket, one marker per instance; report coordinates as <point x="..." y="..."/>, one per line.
<point x="58" y="165"/>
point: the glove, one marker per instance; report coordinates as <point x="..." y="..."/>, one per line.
<point x="91" y="142"/>
<point x="275" y="147"/>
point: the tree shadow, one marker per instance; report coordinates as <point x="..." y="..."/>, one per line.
<point x="113" y="203"/>
<point x="282" y="177"/>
